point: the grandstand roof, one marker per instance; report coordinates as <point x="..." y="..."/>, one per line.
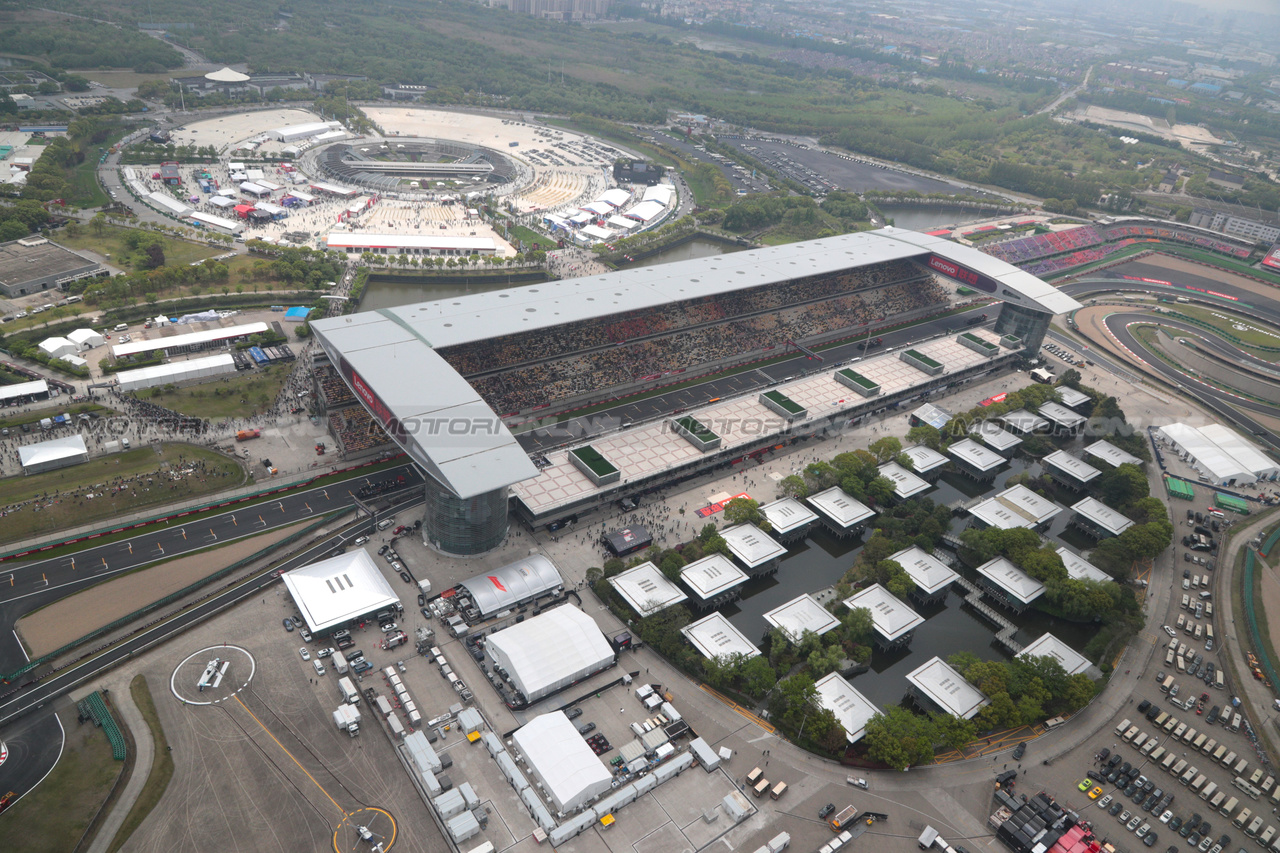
<point x="482" y="316"/>
<point x="375" y="351"/>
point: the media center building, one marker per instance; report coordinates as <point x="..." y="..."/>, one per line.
<point x="478" y="474"/>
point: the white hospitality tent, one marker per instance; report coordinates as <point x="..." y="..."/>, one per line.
<point x="562" y="761"/>
<point x="616" y="197"/>
<point x="646" y="211"/>
<point x="178" y="371"/>
<point x="86" y="338"/>
<point x="661" y="193"/>
<point x="339" y="590"/>
<point x="550" y="651"/>
<point x="55" y="453"/>
<point x="58" y="347"/>
<point x="621" y="223"/>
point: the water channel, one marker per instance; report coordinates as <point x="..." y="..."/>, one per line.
<point x="927" y="217"/>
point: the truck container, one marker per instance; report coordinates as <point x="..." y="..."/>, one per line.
<point x="348" y="691"/>
<point x="246" y="434"/>
<point x="339" y="662"/>
<point x="779" y="842"/>
<point x="384" y="707"/>
<point x="843" y="818"/>
<point x="397" y="728"/>
<point x="347" y="719"/>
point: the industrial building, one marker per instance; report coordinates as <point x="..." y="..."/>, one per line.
<point x="1050" y="646"/>
<point x="852" y="709"/>
<point x="549" y="652"/>
<point x="843" y="514"/>
<point x="1099" y="520"/>
<point x="560" y="760"/>
<point x="799" y="615"/>
<point x="191" y="341"/>
<point x="194" y="370"/>
<point x="33" y="264"/>
<point x="932" y="577"/>
<point x="646" y="589"/>
<point x="51" y="454"/>
<point x="1008" y="584"/>
<point x="714" y="581"/>
<point x="936" y="686"/>
<point x="336" y="592"/>
<point x="716" y="637"/>
<point x="756" y="550"/>
<point x="1222" y="455"/>
<point x="1016" y="506"/>
<point x="894" y="623"/>
<point x="925" y="461"/>
<point x="789" y="518"/>
<point x="1071" y="471"/>
<point x="511" y="586"/>
<point x="906" y="485"/>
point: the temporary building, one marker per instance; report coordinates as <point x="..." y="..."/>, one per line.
<point x="58" y="347"/>
<point x="333" y="592"/>
<point x="616" y="197"/>
<point x="176" y="372"/>
<point x="513" y="584"/>
<point x="661" y="193"/>
<point x="646" y="211"/>
<point x="562" y="761"/>
<point x="550" y="651"/>
<point x="86" y="338"/>
<point x="55" y="453"/>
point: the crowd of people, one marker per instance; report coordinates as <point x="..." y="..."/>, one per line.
<point x="657" y="353"/>
<point x="334" y="392"/>
<point x="355" y="430"/>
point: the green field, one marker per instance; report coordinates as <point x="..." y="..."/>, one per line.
<point x="111" y="244"/>
<point x="16" y="421"/>
<point x="1251" y="337"/>
<point x="59" y="500"/>
<point x="161" y="770"/>
<point x="52" y="817"/>
<point x="240" y="395"/>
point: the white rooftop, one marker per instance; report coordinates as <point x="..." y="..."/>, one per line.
<point x="1110" y="454"/>
<point x="852" y="709"/>
<point x="1061" y="415"/>
<point x="890" y="615"/>
<point x="364" y="241"/>
<point x="1024" y="421"/>
<point x="1071" y="397"/>
<point x="53" y="450"/>
<point x="562" y="758"/>
<point x="996" y="436"/>
<point x="1080" y="569"/>
<point x="1049" y="646"/>
<point x="839" y="506"/>
<point x="712" y="575"/>
<point x="1240" y="449"/>
<point x="334" y="591"/>
<point x="716" y="637"/>
<point x="927" y="572"/>
<point x="1073" y="465"/>
<point x="924" y="459"/>
<point x="1103" y="516"/>
<point x="174" y="342"/>
<point x="752" y="546"/>
<point x="544" y="651"/>
<point x="905" y="483"/>
<point x="799" y="615"/>
<point x="1004" y="574"/>
<point x="1016" y="506"/>
<point x="646" y="589"/>
<point x="23" y="389"/>
<point x="947" y="688"/>
<point x="975" y="455"/>
<point x="787" y="514"/>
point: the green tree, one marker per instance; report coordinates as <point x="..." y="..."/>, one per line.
<point x="927" y="435"/>
<point x="1120" y="486"/>
<point x="746" y="511"/>
<point x="885" y="449"/>
<point x="793" y="486"/>
<point x="758" y="677"/>
<point x="898" y="738"/>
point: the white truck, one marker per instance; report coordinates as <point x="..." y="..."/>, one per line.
<point x="348" y="690"/>
<point x="339" y="661"/>
<point x="347" y="719"/>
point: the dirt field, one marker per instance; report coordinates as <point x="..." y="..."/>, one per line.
<point x="77" y="615"/>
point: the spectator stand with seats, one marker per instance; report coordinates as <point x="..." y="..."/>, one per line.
<point x="350" y="424"/>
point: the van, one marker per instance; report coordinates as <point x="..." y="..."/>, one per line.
<point x="1161" y="719"/>
<point x="1235" y="723"/>
<point x="1228" y="759"/>
<point x="1123" y="727"/>
<point x="1241" y="767"/>
<point x="1139" y="741"/>
<point x="1182" y="621"/>
<point x="1256" y="777"/>
<point x="1199" y="741"/>
<point x="122" y="327"/>
<point x="1131" y="734"/>
<point x="1190" y="735"/>
<point x="1208" y="631"/>
<point x="1217" y="800"/>
<point x="1189" y="775"/>
<point x="1179" y="766"/>
<point x="319" y="667"/>
<point x="1206" y="595"/>
<point x="1199" y="633"/>
<point x="1228" y="807"/>
<point x="1169" y="758"/>
<point x="1267" y="834"/>
<point x="1206" y="790"/>
<point x="1186" y="601"/>
<point x="778" y="790"/>
<point x="1182" y="727"/>
<point x="1182" y="664"/>
<point x="1254" y="827"/>
<point x="753" y="777"/>
<point x="1267" y="784"/>
<point x="1159" y="753"/>
<point x="385" y="523"/>
<point x="1149" y="745"/>
<point x="1198" y="783"/>
<point x="1209" y="746"/>
<point x="761" y="787"/>
<point x="124" y="442"/>
<point x="1204" y="581"/>
<point x="1242" y="818"/>
<point x="1218" y="681"/>
<point x="1171" y="723"/>
<point x="1168" y="661"/>
<point x="1219" y="752"/>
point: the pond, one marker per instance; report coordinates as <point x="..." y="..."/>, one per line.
<point x="394" y="291"/>
<point x="927" y="217"/>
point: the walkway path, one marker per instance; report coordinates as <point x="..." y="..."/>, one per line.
<point x="131" y="717"/>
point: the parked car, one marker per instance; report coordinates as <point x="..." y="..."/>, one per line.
<point x="306" y="655"/>
<point x="288" y="625"/>
<point x="573" y="713"/>
<point x="826" y="811"/>
<point x="361" y="665"/>
<point x="1020" y="751"/>
<point x="586" y="728"/>
<point x="323" y="653"/>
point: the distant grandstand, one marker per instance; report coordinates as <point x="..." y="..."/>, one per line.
<point x="386" y="164"/>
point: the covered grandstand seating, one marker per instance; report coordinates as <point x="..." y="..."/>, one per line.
<point x="1021" y="249"/>
<point x="1157" y="232"/>
<point x="356" y="430"/>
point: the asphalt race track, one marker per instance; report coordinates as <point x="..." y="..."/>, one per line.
<point x="35" y="743"/>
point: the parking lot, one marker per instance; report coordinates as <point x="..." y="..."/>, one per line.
<point x="823" y="171"/>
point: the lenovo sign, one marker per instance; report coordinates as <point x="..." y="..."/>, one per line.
<point x="967" y="277"/>
<point x="371" y="400"/>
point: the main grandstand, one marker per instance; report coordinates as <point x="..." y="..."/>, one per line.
<point x="434" y="374"/>
<point x="386" y="165"/>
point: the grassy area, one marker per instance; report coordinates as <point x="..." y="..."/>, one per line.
<point x="16" y="421"/>
<point x="58" y="500"/>
<point x="528" y="235"/>
<point x="1225" y="322"/>
<point x="52" y="817"/>
<point x="111" y="244"/>
<point x="161" y="765"/>
<point x="240" y="395"/>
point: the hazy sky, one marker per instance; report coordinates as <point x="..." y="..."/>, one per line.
<point x="1268" y="6"/>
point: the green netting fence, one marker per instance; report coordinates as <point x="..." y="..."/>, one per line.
<point x="1251" y="617"/>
